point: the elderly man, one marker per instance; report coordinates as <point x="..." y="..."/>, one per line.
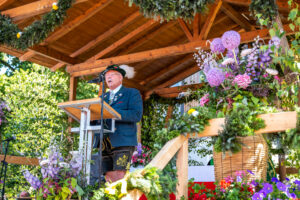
<point x="118" y="147"/>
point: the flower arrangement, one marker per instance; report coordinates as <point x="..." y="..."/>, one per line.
<point x="59" y="178"/>
<point x="240" y="188"/>
<point x="141" y="157"/>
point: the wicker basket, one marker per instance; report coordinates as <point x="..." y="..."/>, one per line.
<point x="253" y="156"/>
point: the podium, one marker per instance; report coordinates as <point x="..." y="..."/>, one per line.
<point x="85" y="111"/>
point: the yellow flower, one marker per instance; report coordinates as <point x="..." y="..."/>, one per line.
<point x="19" y="34"/>
<point x="54" y="6"/>
<point x="110" y="191"/>
<point x="191" y="111"/>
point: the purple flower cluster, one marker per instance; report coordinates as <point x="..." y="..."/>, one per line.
<point x="216" y="46"/>
<point x="3" y="108"/>
<point x="231" y="40"/>
<point x="33" y="180"/>
<point x="215" y="77"/>
<point x="76" y="164"/>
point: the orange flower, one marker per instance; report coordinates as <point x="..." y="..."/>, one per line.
<point x="224" y="184"/>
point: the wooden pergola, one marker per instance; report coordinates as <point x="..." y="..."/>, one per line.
<point x="98" y="33"/>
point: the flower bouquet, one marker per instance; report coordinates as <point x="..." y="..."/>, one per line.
<point x="141" y="157"/>
<point x="59" y="178"/>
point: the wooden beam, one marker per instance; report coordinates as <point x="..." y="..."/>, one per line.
<point x="145" y="27"/>
<point x="5" y="3"/>
<point x="54" y="55"/>
<point x="210" y="19"/>
<point x="29" y="54"/>
<point x="167" y="152"/>
<point x="166" y="51"/>
<point x="182" y="166"/>
<point x="108" y="33"/>
<point x="236" y="17"/>
<point x="166" y="70"/>
<point x="148" y="37"/>
<point x="185" y="29"/>
<point x="196" y="26"/>
<point x="88" y="72"/>
<point x="175" y="91"/>
<point x="32" y="9"/>
<point x="57" y="66"/>
<point x="66" y="28"/>
<point x="19" y="160"/>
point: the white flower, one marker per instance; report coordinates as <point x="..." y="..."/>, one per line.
<point x="228" y="61"/>
<point x="64" y="164"/>
<point x="273" y="72"/>
<point x="246" y="52"/>
<point x="44" y="162"/>
<point x="195" y="113"/>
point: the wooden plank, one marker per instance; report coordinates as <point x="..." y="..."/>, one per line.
<point x="167" y="152"/>
<point x="182" y="171"/>
<point x="54" y="55"/>
<point x="19" y="160"/>
<point x="148" y="37"/>
<point x="66" y="28"/>
<point x="163" y="71"/>
<point x="275" y="122"/>
<point x="57" y="66"/>
<point x="236" y="17"/>
<point x="185" y="29"/>
<point x="29" y="54"/>
<point x="5" y="3"/>
<point x="196" y="26"/>
<point x="32" y="9"/>
<point x="210" y="19"/>
<point x="166" y="51"/>
<point x="108" y="33"/>
<point x="145" y="27"/>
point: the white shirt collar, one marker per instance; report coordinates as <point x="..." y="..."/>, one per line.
<point x="117" y="89"/>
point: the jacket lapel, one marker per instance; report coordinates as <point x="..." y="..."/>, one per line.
<point x="118" y="95"/>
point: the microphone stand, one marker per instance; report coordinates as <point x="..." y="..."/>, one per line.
<point x="4" y="165"/>
<point x="101" y="78"/>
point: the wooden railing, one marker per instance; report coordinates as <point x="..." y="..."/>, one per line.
<point x="275" y="122"/>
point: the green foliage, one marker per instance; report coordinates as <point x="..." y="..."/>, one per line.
<point x="36" y="32"/>
<point x="241" y="122"/>
<point x="9" y="64"/>
<point x="264" y="9"/>
<point x="170" y="9"/>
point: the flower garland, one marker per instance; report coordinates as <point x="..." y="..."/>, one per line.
<point x="170" y="9"/>
<point x="35" y="33"/>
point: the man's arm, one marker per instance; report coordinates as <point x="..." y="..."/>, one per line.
<point x="135" y="109"/>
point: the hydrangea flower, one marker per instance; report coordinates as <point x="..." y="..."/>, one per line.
<point x="216" y="46"/>
<point x="231" y="40"/>
<point x="243" y="81"/>
<point x="215" y="77"/>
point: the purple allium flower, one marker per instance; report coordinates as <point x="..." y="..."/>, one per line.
<point x="281" y="186"/>
<point x="275" y="180"/>
<point x="268" y="188"/>
<point x="204" y="100"/>
<point x="243" y="81"/>
<point x="33" y="180"/>
<point x="215" y="77"/>
<point x="250" y="172"/>
<point x="257" y="196"/>
<point x="216" y="46"/>
<point x="139" y="149"/>
<point x="231" y="39"/>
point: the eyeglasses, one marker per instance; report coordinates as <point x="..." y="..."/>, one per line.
<point x="109" y="75"/>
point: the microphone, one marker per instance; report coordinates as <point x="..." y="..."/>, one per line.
<point x="9" y="139"/>
<point x="98" y="79"/>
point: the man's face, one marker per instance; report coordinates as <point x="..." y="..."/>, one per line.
<point x="113" y="79"/>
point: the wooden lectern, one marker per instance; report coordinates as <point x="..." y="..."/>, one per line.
<point x="85" y="111"/>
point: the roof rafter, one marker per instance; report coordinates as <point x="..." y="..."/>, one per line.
<point x="236" y="17"/>
<point x="108" y="33"/>
<point x="196" y="26"/>
<point x="185" y="29"/>
<point x="32" y="9"/>
<point x="66" y="28"/>
<point x="57" y="66"/>
<point x="29" y="54"/>
<point x="148" y="37"/>
<point x="210" y="19"/>
<point x="145" y="27"/>
<point x="166" y="51"/>
<point x="166" y="69"/>
<point x="4" y="3"/>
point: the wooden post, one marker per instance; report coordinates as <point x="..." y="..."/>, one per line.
<point x="100" y="89"/>
<point x="282" y="167"/>
<point x="182" y="171"/>
<point x="169" y="115"/>
<point x="72" y="97"/>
